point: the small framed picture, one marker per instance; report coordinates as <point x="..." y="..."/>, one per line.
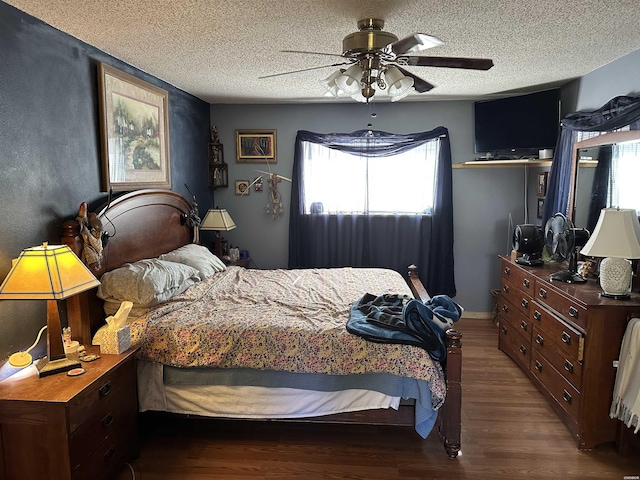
<point x="540" y="207"/>
<point x="242" y="187"/>
<point x="542" y="184"/>
<point x="256" y="146"/>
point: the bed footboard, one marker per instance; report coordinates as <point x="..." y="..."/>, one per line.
<point x="450" y="417"/>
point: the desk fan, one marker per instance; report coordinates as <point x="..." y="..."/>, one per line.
<point x="564" y="239"/>
<point x="529" y="240"/>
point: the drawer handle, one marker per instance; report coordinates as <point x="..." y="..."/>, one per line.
<point x="523" y="349"/>
<point x="504" y="329"/>
<point x="567" y="396"/>
<point x="568" y="366"/>
<point x="107" y="420"/>
<point x="543" y="293"/>
<point x="109" y="454"/>
<point x="507" y="270"/>
<point x="505" y="289"/>
<point x="525" y="282"/>
<point x="538" y="366"/>
<point x="566" y="338"/>
<point x="523" y="325"/>
<point x="105" y="389"/>
<point x="505" y="309"/>
<point x="539" y="340"/>
<point x="537" y="315"/>
<point x="573" y="312"/>
<point x="525" y="303"/>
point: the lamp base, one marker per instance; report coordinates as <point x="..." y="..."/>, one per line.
<point x="48" y="367"/>
<point x="615" y="296"/>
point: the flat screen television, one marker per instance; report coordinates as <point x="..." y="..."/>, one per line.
<point x="517" y="126"/>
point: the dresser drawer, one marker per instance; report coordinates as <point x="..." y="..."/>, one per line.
<point x="104" y="462"/>
<point x="568" y="367"/>
<point x="514" y="344"/>
<point x="568" y="339"/>
<point x="564" y="393"/>
<point x="515" y="318"/>
<point x="564" y="306"/>
<point x="98" y="397"/>
<point x="518" y="298"/>
<point x="518" y="277"/>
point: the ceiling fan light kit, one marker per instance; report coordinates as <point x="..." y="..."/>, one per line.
<point x="376" y="58"/>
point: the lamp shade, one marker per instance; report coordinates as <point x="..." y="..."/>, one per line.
<point x="217" y="219"/>
<point x="399" y="85"/>
<point x="329" y="83"/>
<point x="47" y="272"/>
<point x="617" y="235"/>
<point x="349" y="81"/>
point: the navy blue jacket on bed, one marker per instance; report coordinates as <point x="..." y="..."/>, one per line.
<point x="401" y="319"/>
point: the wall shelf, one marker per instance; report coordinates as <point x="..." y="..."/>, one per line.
<point x="502" y="164"/>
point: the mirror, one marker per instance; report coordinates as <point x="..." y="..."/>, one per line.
<point x="594" y="185"/>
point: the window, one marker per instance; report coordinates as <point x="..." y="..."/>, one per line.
<point x="371" y="185"/>
<point x="625" y="170"/>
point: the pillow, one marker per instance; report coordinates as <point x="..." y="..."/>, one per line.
<point x="198" y="257"/>
<point x="146" y="282"/>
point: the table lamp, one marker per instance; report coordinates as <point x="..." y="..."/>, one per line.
<point x="617" y="238"/>
<point x="217" y="219"/>
<point x="51" y="273"/>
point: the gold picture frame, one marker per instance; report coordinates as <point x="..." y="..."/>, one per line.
<point x="242" y="187"/>
<point x="134" y="124"/>
<point x="256" y="146"/>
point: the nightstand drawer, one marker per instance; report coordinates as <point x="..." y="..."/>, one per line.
<point x="568" y="367"/>
<point x="564" y="393"/>
<point x="104" y="462"/>
<point x="98" y="397"/>
<point x="115" y="419"/>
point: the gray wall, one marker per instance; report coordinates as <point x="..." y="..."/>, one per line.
<point x="50" y="149"/>
<point x="483" y="198"/>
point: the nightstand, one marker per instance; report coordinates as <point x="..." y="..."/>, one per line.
<point x="62" y="427"/>
<point x="242" y="262"/>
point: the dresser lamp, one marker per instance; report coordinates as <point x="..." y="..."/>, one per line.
<point x="217" y="219"/>
<point x="51" y="273"/>
<point x="617" y="239"/>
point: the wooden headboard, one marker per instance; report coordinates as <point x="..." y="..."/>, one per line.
<point x="140" y="224"/>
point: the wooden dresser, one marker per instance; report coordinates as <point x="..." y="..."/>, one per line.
<point x="565" y="337"/>
<point x="60" y="427"/>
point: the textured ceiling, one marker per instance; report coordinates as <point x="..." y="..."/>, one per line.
<point x="216" y="50"/>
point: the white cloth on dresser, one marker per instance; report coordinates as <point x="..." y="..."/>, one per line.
<point x="626" y="392"/>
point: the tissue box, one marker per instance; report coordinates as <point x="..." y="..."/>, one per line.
<point x="116" y="341"/>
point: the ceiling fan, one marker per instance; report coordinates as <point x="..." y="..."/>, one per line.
<point x="376" y="58"/>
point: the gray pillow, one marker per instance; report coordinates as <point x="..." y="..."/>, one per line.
<point x="198" y="257"/>
<point x="147" y="282"/>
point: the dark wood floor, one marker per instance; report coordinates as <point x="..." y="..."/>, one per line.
<point x="509" y="433"/>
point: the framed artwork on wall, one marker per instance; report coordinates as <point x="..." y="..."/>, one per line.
<point x="540" y="207"/>
<point x="256" y="146"/>
<point x="134" y="123"/>
<point x="542" y="184"/>
<point x="242" y="187"/>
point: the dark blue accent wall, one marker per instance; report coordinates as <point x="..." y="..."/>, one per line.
<point x="50" y="149"/>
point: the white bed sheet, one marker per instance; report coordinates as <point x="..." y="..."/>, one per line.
<point x="250" y="401"/>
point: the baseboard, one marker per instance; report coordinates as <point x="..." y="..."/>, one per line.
<point x="477" y="315"/>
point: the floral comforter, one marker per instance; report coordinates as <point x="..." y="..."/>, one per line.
<point x="286" y="320"/>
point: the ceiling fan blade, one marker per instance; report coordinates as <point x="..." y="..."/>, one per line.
<point x="419" y="84"/>
<point x="312" y="53"/>
<point x="304" y="70"/>
<point x="413" y="43"/>
<point x="447" y="62"/>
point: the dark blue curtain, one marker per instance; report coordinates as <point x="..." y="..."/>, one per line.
<point x="616" y="113"/>
<point x="388" y="241"/>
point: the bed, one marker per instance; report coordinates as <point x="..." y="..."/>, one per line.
<point x="319" y="375"/>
